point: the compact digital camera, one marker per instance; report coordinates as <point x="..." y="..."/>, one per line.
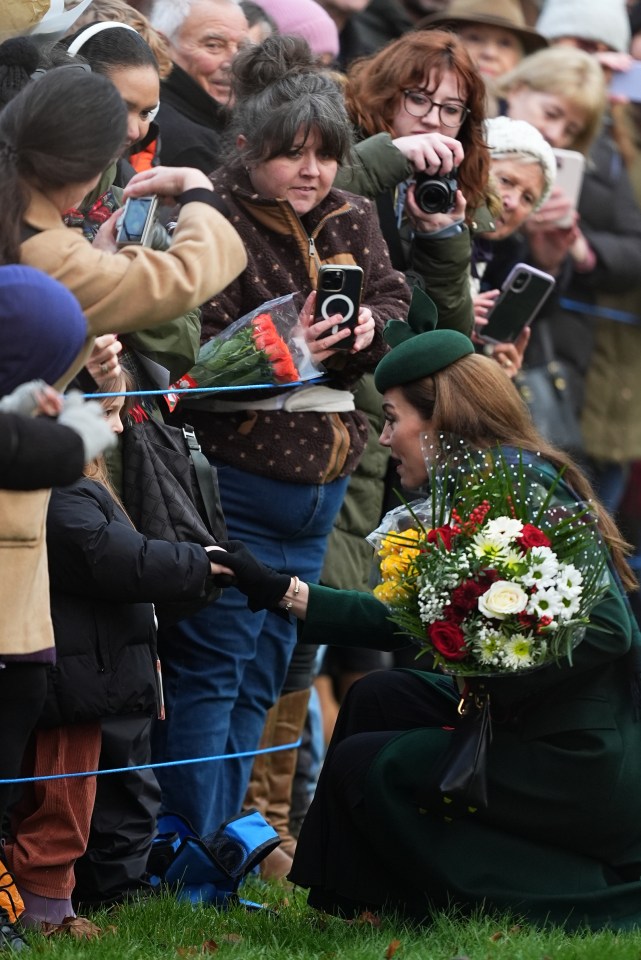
<point x="436" y="194"/>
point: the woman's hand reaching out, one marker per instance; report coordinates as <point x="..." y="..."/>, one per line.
<point x="431" y="152"/>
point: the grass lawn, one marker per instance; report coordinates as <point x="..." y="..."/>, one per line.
<point x="162" y="928"/>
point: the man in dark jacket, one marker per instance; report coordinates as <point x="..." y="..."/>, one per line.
<point x="195" y="96"/>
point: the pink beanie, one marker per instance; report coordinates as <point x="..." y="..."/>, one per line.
<point x="307" y="19"/>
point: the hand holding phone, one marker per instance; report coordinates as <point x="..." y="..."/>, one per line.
<point x="570" y="166"/>
<point x="522" y="295"/>
<point x="339" y="294"/>
<point x="137" y="221"/>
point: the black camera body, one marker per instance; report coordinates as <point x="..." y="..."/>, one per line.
<point x="436" y="194"/>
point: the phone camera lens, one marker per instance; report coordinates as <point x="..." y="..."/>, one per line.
<point x="333" y="281"/>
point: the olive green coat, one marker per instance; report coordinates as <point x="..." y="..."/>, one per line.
<point x="564" y="770"/>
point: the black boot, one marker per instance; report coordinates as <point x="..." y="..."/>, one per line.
<point x="10" y="939"/>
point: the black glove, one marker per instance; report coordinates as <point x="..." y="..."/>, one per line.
<point x="262" y="585"/>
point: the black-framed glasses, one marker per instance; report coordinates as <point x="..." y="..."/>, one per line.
<point x="418" y="104"/>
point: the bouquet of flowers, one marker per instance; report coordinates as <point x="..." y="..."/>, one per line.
<point x="495" y="572"/>
<point x="265" y="347"/>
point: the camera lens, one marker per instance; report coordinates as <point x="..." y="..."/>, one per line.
<point x="333" y="280"/>
<point x="435" y="194"/>
<point x="519" y="281"/>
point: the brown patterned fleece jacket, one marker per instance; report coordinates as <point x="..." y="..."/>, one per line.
<point x="284" y="252"/>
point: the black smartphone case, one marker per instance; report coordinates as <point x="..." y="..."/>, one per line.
<point x="345" y="301"/>
<point x="516" y="308"/>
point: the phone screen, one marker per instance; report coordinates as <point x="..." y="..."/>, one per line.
<point x="134" y="219"/>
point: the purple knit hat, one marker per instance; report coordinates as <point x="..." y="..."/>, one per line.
<point x="307" y="19"/>
<point x="42" y="328"/>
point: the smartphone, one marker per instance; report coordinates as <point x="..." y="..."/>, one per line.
<point x="137" y="221"/>
<point x="523" y="293"/>
<point x="627" y="83"/>
<point x="339" y="291"/>
<point x="570" y="166"/>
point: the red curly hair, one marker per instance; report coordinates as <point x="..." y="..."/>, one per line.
<point x="375" y="84"/>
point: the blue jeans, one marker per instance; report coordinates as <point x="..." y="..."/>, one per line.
<point x="224" y="667"/>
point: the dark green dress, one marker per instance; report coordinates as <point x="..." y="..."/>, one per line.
<point x="560" y="840"/>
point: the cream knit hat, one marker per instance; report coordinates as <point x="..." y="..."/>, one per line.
<point x="503" y="135"/>
<point x="604" y="20"/>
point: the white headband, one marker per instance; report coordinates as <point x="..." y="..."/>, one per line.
<point x="91" y="31"/>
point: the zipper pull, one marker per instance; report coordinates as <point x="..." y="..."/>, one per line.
<point x="160" y="691"/>
<point x="312" y="248"/>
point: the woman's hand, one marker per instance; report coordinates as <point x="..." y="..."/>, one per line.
<point x="32" y="398"/>
<point x="482" y="303"/>
<point x="431" y="152"/>
<point x="431" y="222"/>
<point x="105" y="239"/>
<point x="167" y="183"/>
<point x="263" y="586"/>
<point x="103" y="363"/>
<point x="322" y="342"/>
<point x="549" y="243"/>
<point x="510" y="355"/>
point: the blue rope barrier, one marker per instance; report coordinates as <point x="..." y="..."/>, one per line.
<point x="169" y="391"/>
<point x="156" y="766"/>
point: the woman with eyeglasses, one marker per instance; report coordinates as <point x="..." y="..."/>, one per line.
<point x="425" y="93"/>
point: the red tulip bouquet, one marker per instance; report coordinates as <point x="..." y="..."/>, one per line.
<point x="265" y="347"/>
<point x="497" y="570"/>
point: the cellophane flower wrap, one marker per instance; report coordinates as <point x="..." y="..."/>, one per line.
<point x="266" y="346"/>
<point x="496" y="571"/>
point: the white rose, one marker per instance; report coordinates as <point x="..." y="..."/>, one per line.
<point x="503" y="599"/>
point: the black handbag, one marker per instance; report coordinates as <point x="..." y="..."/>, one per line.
<point x="170" y="491"/>
<point x="546" y="391"/>
<point x="462" y="776"/>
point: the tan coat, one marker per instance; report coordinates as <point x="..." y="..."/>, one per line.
<point x="134" y="289"/>
<point x="25" y="621"/>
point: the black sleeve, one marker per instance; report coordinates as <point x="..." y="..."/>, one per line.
<point x="95" y="551"/>
<point x="37" y="453"/>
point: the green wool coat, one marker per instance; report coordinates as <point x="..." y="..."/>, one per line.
<point x="560" y="841"/>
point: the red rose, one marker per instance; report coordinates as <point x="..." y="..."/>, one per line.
<point x="531" y="536"/>
<point x="448" y="640"/>
<point x="444" y="534"/>
<point x="465" y="597"/>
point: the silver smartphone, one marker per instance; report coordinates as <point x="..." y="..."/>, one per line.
<point x="522" y="295"/>
<point x="570" y="167"/>
<point x="137" y="221"/>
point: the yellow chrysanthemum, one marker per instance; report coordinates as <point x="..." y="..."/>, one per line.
<point x="395" y="566"/>
<point x="397" y="541"/>
<point x="390" y="592"/>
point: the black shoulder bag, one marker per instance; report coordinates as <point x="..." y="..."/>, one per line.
<point x="170" y="491"/>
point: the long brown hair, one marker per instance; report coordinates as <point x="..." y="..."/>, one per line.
<point x="474" y="400"/>
<point x="375" y="85"/>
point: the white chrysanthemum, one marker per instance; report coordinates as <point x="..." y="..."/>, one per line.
<point x="545" y="603"/>
<point x="569" y="581"/>
<point x="542" y="568"/>
<point x="490" y="548"/>
<point x="569" y="607"/>
<point x="519" y="651"/>
<point x="505" y="529"/>
<point x="488" y="647"/>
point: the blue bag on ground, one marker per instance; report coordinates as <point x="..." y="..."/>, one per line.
<point x="209" y="870"/>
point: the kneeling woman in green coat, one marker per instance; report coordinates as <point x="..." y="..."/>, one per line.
<point x="560" y="839"/>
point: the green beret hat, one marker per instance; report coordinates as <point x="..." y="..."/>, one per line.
<point x="418" y="349"/>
